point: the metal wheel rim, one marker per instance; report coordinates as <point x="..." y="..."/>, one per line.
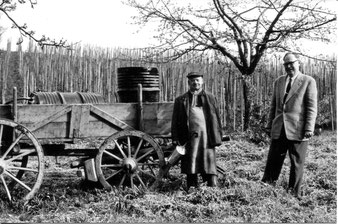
<point x="26" y="175"/>
<point x="143" y="162"/>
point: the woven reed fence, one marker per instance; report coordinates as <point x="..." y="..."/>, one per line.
<point x="93" y="69"/>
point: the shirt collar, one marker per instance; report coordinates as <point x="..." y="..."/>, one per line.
<point x="293" y="78"/>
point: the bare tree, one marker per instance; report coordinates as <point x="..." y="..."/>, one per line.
<point x="241" y="31"/>
<point x="8" y="6"/>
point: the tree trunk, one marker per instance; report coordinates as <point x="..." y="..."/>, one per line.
<point x="248" y="99"/>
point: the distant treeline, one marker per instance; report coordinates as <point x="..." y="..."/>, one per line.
<point x="94" y="69"/>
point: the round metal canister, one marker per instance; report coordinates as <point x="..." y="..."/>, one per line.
<point x="66" y="98"/>
<point x="128" y="79"/>
<point x="93" y="98"/>
<point x="45" y="98"/>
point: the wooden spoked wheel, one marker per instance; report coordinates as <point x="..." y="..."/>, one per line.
<point x="129" y="158"/>
<point x="21" y="162"/>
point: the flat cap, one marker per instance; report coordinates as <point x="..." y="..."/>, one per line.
<point x="289" y="58"/>
<point x="194" y="74"/>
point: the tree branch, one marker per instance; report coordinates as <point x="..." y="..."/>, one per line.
<point x="6" y="6"/>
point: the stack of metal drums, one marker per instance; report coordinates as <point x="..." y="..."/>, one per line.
<point x="130" y="77"/>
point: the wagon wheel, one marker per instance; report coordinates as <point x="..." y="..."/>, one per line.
<point x="129" y="158"/>
<point x="21" y="162"/>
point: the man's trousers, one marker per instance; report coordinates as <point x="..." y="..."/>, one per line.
<point x="277" y="152"/>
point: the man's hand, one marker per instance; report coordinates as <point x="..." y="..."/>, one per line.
<point x="308" y="134"/>
<point x="175" y="143"/>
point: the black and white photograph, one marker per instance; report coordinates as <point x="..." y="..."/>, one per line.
<point x="168" y="111"/>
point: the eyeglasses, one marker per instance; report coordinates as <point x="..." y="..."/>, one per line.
<point x="289" y="63"/>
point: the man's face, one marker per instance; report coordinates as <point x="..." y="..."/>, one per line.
<point x="291" y="68"/>
<point x="195" y="83"/>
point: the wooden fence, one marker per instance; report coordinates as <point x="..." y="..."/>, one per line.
<point x="89" y="69"/>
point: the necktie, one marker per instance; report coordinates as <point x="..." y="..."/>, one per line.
<point x="287" y="90"/>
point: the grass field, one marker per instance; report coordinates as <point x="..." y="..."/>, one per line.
<point x="241" y="197"/>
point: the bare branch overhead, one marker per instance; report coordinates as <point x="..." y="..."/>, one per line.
<point x="6" y="7"/>
<point x="242" y="31"/>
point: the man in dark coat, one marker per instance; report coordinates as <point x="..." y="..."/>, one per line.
<point x="196" y="124"/>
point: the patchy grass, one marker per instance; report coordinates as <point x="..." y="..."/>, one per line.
<point x="241" y="197"/>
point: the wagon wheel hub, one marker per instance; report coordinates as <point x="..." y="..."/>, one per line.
<point x="130" y="165"/>
<point x="2" y="166"/>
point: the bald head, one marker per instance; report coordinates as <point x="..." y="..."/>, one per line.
<point x="289" y="58"/>
<point x="291" y="64"/>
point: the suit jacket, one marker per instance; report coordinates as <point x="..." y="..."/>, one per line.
<point x="180" y="119"/>
<point x="298" y="113"/>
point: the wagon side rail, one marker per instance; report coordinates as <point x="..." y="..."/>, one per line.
<point x="68" y="122"/>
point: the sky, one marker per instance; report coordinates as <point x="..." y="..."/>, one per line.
<point x="103" y="23"/>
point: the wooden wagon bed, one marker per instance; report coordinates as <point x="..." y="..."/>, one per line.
<point x="129" y="153"/>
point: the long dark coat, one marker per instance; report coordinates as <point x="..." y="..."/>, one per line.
<point x="180" y="125"/>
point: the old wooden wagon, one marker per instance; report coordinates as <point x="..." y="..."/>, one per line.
<point x="45" y="123"/>
<point x="129" y="154"/>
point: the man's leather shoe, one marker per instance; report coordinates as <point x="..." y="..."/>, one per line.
<point x="212" y="181"/>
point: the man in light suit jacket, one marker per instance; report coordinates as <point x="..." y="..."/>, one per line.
<point x="291" y="123"/>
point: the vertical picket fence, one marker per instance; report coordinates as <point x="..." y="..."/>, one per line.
<point x="94" y="69"/>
